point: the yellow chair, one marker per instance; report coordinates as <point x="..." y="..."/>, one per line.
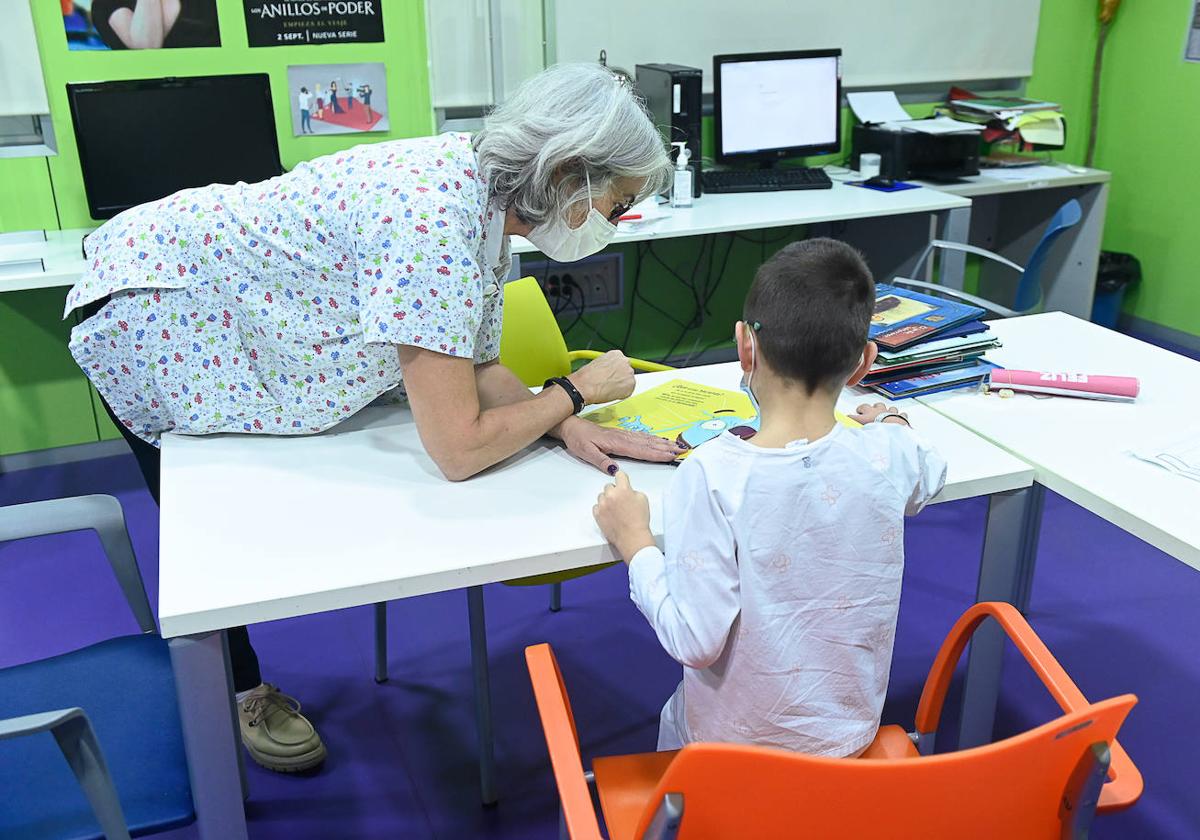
<point x="532" y="347"/>
<point x="531" y="344"/>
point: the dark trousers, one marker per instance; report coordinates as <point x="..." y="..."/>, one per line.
<point x="244" y="660"/>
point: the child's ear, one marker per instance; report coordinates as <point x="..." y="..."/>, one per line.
<point x="742" y="337"/>
<point x="870" y="354"/>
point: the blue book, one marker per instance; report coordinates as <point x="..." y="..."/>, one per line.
<point x="903" y="317"/>
<point x="929" y="383"/>
<point x="969" y="328"/>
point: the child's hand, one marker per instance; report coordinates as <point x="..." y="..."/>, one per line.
<point x="623" y="515"/>
<point x="866" y="413"/>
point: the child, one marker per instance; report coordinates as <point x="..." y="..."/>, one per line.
<point x="780" y="585"/>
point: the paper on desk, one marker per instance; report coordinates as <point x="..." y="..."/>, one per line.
<point x="876" y="106"/>
<point x="1032" y="174"/>
<point x="938" y="125"/>
<point x="1180" y="454"/>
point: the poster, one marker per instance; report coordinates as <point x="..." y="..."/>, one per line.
<point x="140" y="24"/>
<point x="277" y="24"/>
<point x="1191" y="51"/>
<point x="337" y="98"/>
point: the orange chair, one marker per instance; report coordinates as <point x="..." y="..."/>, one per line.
<point x="1045" y="783"/>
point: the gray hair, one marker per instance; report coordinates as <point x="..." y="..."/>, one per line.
<point x="580" y="120"/>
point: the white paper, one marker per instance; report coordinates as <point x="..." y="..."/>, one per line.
<point x="1180" y="455"/>
<point x="876" y="106"/>
<point x="938" y="125"/>
<point x="1032" y="174"/>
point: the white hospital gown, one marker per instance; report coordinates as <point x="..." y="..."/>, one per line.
<point x="780" y="586"/>
<point x="277" y="307"/>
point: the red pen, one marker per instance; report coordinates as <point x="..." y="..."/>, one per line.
<point x="630" y="218"/>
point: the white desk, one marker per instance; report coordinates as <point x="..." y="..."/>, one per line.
<point x="414" y="533"/>
<point x="1009" y="212"/>
<point x="1078" y="448"/>
<point x="710" y="214"/>
<point x="62" y="261"/>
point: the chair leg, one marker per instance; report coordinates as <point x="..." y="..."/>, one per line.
<point x="381" y="653"/>
<point x="556" y="596"/>
<point x="483" y="696"/>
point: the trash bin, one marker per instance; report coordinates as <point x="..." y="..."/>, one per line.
<point x="1116" y="273"/>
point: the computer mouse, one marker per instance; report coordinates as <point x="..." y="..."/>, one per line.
<point x="880" y="181"/>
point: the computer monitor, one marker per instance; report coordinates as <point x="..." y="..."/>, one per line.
<point x="777" y="105"/>
<point x="143" y="139"/>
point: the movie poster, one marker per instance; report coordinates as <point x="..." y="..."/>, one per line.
<point x="278" y="24"/>
<point x="140" y="24"/>
<point x="337" y="98"/>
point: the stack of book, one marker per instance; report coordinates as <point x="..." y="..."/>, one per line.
<point x="1028" y="122"/>
<point x="926" y="344"/>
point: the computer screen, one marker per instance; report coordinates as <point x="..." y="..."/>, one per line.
<point x="774" y="105"/>
<point x="144" y="139"/>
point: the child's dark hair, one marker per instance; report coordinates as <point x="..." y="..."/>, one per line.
<point x="810" y="307"/>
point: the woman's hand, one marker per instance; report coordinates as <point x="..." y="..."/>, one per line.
<point x="594" y="444"/>
<point x="866" y="413"/>
<point x="605" y="379"/>
<point x="623" y="515"/>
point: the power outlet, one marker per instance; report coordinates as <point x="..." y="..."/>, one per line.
<point x="598" y="279"/>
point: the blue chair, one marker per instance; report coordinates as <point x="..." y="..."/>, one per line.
<point x="1029" y="290"/>
<point x="110" y="707"/>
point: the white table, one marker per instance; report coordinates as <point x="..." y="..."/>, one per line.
<point x="1009" y="211"/>
<point x="711" y="214"/>
<point x="1079" y="448"/>
<point x="416" y="533"/>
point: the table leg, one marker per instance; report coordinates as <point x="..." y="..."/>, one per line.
<point x="483" y="695"/>
<point x="1002" y="569"/>
<point x="210" y="734"/>
<point x="955" y="227"/>
<point x="556" y="596"/>
<point x="381" y="647"/>
<point x="1031" y="533"/>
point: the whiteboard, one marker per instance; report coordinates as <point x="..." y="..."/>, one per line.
<point x="883" y="42"/>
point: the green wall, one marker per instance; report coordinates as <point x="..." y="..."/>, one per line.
<point x="44" y="399"/>
<point x="1147" y="138"/>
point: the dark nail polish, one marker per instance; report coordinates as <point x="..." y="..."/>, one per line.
<point x="612" y="470"/>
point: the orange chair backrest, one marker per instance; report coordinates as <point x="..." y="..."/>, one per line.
<point x="1010" y="789"/>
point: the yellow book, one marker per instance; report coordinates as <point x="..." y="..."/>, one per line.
<point x="687" y="413"/>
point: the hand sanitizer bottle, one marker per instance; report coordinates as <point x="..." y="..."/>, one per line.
<point x="681" y="189"/>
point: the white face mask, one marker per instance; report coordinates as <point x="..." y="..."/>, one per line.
<point x="562" y="243"/>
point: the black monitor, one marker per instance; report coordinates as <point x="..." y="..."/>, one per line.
<point x="143" y="139"/>
<point x="775" y="105"/>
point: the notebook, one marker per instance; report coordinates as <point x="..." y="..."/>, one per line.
<point x="688" y="413"/>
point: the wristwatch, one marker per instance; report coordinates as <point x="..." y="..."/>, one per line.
<point x="888" y="414"/>
<point x="572" y="392"/>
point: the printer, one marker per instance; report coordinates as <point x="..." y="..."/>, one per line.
<point x="915" y="154"/>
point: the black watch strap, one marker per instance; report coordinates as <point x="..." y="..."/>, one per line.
<point x="572" y="392"/>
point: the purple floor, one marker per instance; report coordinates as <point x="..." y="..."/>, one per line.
<point x="402" y="755"/>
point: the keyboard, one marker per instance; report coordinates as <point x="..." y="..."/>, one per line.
<point x="764" y="180"/>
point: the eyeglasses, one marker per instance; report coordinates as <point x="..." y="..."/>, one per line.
<point x="618" y="211"/>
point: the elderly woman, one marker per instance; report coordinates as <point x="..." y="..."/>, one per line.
<point x="285" y="307"/>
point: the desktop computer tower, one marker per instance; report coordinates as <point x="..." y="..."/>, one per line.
<point x="672" y="94"/>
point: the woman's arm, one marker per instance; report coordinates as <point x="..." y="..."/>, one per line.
<point x="467" y="428"/>
<point x="592" y="444"/>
